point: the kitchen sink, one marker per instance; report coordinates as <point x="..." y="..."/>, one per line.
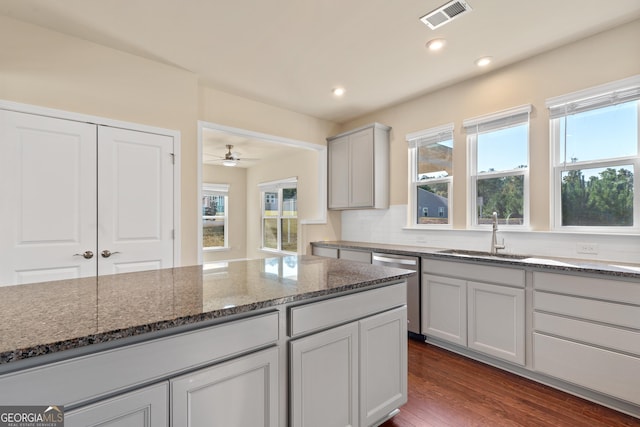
<point x="482" y="254"/>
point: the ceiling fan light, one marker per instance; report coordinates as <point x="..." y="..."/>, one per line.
<point x="229" y="163"/>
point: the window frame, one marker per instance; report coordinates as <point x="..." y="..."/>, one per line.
<point x="210" y="189"/>
<point x="272" y="187"/>
<point x="493" y="122"/>
<point x="591" y="99"/>
<point x="425" y="137"/>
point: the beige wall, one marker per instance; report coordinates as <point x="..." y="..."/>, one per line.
<point x="609" y="56"/>
<point x="229" y="110"/>
<point x="53" y="70"/>
<point x="237" y="210"/>
<point x="49" y="69"/>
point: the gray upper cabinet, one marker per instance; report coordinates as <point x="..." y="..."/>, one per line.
<point x="359" y="168"/>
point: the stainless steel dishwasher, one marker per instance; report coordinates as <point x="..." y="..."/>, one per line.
<point x="413" y="284"/>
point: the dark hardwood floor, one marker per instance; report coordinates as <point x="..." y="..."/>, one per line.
<point x="446" y="389"/>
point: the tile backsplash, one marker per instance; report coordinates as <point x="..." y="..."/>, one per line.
<point x="390" y="226"/>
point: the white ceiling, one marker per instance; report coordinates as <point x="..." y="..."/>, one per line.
<point x="250" y="150"/>
<point x="291" y="53"/>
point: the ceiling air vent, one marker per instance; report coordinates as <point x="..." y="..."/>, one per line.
<point x="445" y="13"/>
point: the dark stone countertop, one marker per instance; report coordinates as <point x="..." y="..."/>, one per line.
<point x="613" y="270"/>
<point x="49" y="317"/>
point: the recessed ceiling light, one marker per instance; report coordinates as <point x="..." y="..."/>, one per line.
<point x="484" y="61"/>
<point x="338" y="91"/>
<point x="435" y="44"/>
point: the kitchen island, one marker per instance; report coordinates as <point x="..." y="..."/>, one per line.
<point x="289" y="337"/>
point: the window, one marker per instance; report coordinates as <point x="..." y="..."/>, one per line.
<point x="280" y="215"/>
<point x="215" y="201"/>
<point x="594" y="136"/>
<point x="431" y="174"/>
<point x="499" y="166"/>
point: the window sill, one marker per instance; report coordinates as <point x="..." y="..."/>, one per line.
<point x="220" y="249"/>
<point x="277" y="252"/>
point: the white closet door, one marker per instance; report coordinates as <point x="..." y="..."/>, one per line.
<point x="135" y="201"/>
<point x="48" y="198"/>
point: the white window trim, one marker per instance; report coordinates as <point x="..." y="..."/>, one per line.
<point x="276" y="186"/>
<point x="487" y="123"/>
<point x="413" y="139"/>
<point x="590" y="99"/>
<point x="219" y="190"/>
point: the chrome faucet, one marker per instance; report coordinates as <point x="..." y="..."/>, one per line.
<point x="494" y="239"/>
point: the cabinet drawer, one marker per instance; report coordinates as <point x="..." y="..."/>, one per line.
<point x="359" y="256"/>
<point x="325" y="252"/>
<point x="482" y="273"/>
<point x="335" y="311"/>
<point x="584" y="308"/>
<point x="602" y="370"/>
<point x="591" y="287"/>
<point x="145" y="407"/>
<point x="588" y="332"/>
<point x="77" y="380"/>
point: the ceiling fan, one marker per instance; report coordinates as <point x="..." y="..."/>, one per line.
<point x="232" y="159"/>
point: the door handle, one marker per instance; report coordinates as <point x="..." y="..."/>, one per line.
<point x="85" y="254"/>
<point x="107" y="253"/>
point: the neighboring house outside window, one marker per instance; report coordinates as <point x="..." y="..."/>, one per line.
<point x="595" y="162"/>
<point x="215" y="214"/>
<point x="499" y="167"/>
<point x="431" y="175"/>
<point x="280" y="215"/>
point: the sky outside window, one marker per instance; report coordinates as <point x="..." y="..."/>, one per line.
<point x="504" y="149"/>
<point x="605" y="133"/>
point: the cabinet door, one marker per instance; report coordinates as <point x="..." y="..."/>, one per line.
<point x="496" y="321"/>
<point x="383" y="364"/>
<point x="339" y="173"/>
<point x="239" y="393"/>
<point x="147" y="407"/>
<point x="361" y="171"/>
<point x="324" y="378"/>
<point x="444" y="308"/>
<point x="48" y="198"/>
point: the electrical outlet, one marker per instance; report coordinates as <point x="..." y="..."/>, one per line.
<point x="587" y="248"/>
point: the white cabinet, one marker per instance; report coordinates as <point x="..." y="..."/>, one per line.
<point x="358" y="256"/>
<point x="477" y="306"/>
<point x="147" y="407"/>
<point x="582" y="324"/>
<point x="496" y="317"/>
<point x="348" y="254"/>
<point x="325" y="252"/>
<point x="241" y="393"/>
<point x="324" y="378"/>
<point x="359" y="168"/>
<point x="354" y="374"/>
<point x="444" y="308"/>
<point x="383" y="364"/>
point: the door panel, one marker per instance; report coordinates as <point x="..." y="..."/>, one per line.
<point x="47" y="186"/>
<point x="324" y="378"/>
<point x="361" y="156"/>
<point x="135" y="200"/>
<point x="240" y="393"/>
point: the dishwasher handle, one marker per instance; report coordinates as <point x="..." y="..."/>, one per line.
<point x="403" y="261"/>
